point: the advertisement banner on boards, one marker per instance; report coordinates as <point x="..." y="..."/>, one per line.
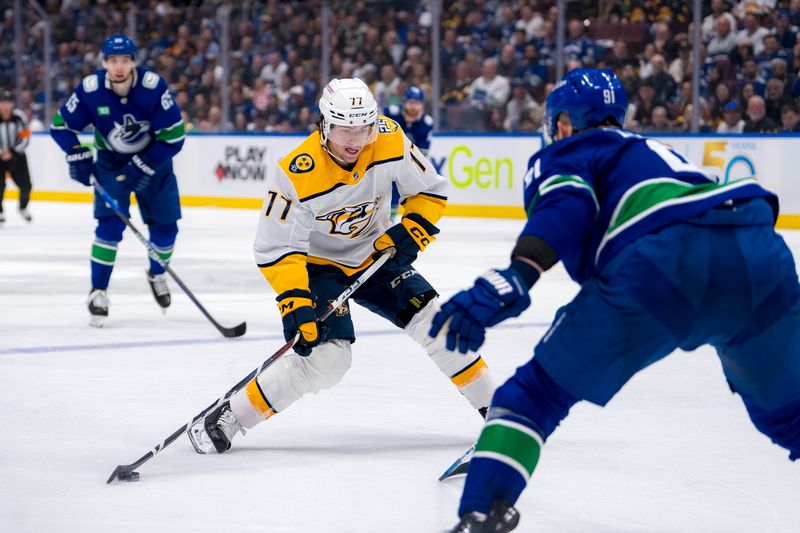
<point x="485" y="172"/>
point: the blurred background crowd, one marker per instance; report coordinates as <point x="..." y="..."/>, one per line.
<point x="496" y="56"/>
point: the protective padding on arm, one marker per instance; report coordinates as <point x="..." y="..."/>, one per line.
<point x="431" y="208"/>
<point x="288" y="273"/>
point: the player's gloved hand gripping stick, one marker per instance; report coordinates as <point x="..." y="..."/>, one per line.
<point x="236" y="331"/>
<point x="126" y="472"/>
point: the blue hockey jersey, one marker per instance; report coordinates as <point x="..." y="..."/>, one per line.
<point x="592" y="193"/>
<point x="419" y="131"/>
<point x="146" y="122"/>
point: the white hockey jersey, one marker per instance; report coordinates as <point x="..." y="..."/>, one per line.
<point x="317" y="212"/>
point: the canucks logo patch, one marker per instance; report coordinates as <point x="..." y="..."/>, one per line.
<point x="351" y="220"/>
<point x="386" y="125"/>
<point x="301" y="163"/>
<point x="130" y="137"/>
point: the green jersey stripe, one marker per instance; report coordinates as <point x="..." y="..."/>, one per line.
<point x="651" y="196"/>
<point x="558" y="181"/>
<point x="172" y="134"/>
<point x="99" y="142"/>
<point x="58" y="121"/>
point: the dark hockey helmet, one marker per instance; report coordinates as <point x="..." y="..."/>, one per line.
<point x="589" y="97"/>
<point x="119" y="45"/>
<point x="415" y="93"/>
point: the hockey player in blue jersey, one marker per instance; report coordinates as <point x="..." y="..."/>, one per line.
<point x="667" y="258"/>
<point x="415" y="123"/>
<point x="138" y="130"/>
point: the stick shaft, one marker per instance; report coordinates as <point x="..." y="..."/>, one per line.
<point x="151" y="251"/>
<point x="255" y="372"/>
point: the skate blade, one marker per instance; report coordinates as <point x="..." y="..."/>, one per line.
<point x="199" y="439"/>
<point x="97" y="321"/>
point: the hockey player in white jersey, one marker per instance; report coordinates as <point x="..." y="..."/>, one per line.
<point x="325" y="218"/>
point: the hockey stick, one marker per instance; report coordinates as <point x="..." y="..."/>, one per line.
<point x="235" y="331"/>
<point x="460" y="465"/>
<point x="126" y="472"/>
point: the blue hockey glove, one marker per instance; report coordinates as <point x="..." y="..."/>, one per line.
<point x="496" y="296"/>
<point x="412" y="235"/>
<point x="140" y="174"/>
<point x="297" y="312"/>
<point x="81" y="165"/>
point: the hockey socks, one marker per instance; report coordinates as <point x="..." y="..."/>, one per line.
<point x="162" y="237"/>
<point x="104" y="253"/>
<point x="165" y="254"/>
<point x="505" y="457"/>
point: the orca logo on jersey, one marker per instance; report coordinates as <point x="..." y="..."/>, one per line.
<point x="301" y="163"/>
<point x="351" y="220"/>
<point x="129" y="137"/>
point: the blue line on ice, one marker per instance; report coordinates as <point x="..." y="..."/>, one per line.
<point x="190" y="342"/>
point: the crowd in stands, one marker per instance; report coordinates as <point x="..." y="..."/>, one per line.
<point x="497" y="58"/>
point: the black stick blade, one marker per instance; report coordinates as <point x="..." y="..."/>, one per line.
<point x="236" y="331"/>
<point x="123" y="473"/>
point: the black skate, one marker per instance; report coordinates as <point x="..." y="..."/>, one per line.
<point x="158" y="284"/>
<point x="216" y="431"/>
<point x="98" y="307"/>
<point x="502" y="519"/>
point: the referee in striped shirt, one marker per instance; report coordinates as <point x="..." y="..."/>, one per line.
<point x="14" y="138"/>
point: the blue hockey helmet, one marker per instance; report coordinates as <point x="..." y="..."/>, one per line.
<point x="589" y="97"/>
<point x="415" y="93"/>
<point x="119" y="45"/>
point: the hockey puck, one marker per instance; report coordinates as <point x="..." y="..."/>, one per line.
<point x="129" y="476"/>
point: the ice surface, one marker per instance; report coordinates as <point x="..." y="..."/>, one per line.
<point x="674" y="451"/>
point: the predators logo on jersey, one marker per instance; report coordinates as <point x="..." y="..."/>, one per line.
<point x="351" y="220"/>
<point x="302" y="163"/>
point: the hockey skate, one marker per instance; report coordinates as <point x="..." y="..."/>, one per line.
<point x="158" y="284"/>
<point x="216" y="431"/>
<point x="98" y="307"/>
<point x="502" y="519"/>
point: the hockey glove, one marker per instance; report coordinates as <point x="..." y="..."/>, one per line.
<point x="496" y="296"/>
<point x="297" y="312"/>
<point x="140" y="174"/>
<point x="408" y="238"/>
<point x="81" y="165"/>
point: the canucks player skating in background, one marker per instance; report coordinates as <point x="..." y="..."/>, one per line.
<point x="325" y="214"/>
<point x="667" y="258"/>
<point x="415" y="122"/>
<point x="138" y="130"/>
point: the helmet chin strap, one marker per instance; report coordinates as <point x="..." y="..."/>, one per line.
<point x="339" y="161"/>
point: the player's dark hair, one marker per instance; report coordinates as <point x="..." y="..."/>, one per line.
<point x="608" y="121"/>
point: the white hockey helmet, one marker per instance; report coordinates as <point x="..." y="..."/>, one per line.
<point x="349" y="113"/>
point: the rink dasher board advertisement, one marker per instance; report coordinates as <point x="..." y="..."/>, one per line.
<point x="485" y="171"/>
